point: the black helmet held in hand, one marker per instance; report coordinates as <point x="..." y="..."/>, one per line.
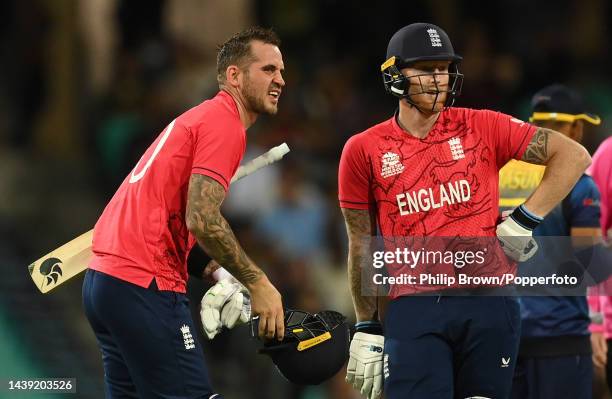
<point x="314" y="349"/>
<point x="420" y="42"/>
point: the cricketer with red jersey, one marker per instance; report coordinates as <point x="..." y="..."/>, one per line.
<point x="142" y="233"/>
<point x="444" y="185"/>
<point x="134" y="290"/>
<point x="431" y="172"/>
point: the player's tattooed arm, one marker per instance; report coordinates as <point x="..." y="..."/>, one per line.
<point x="537" y="149"/>
<point x="565" y="162"/>
<point x="360" y="228"/>
<point x="213" y="232"/>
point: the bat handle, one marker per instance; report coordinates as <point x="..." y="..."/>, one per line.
<point x="279" y="151"/>
<point x="271" y="156"/>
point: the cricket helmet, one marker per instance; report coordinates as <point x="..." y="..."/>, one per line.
<point x="314" y="349"/>
<point x="420" y="42"/>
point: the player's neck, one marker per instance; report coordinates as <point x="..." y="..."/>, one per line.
<point x="415" y="122"/>
<point x="246" y="117"/>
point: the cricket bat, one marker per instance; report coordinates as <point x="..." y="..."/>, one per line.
<point x="72" y="258"/>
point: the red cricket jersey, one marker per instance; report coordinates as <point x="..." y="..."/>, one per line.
<point x="142" y="232"/>
<point x="445" y="185"/>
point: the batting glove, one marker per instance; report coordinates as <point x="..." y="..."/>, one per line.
<point x="365" y="365"/>
<point x="225" y="304"/>
<point x="515" y="234"/>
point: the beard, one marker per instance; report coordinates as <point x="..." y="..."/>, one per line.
<point x="424" y="96"/>
<point x="429" y="102"/>
<point x="254" y="102"/>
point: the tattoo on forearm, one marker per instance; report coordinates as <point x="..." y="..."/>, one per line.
<point x="212" y="230"/>
<point x="537" y="149"/>
<point x="360" y="228"/>
<point x="358" y="222"/>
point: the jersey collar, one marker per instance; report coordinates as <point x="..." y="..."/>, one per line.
<point x="229" y="101"/>
<point x="405" y="133"/>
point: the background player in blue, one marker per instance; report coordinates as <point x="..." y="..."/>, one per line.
<point x="555" y="351"/>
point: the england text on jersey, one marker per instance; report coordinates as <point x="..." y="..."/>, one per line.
<point x="424" y="200"/>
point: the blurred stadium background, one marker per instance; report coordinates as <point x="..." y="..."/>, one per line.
<point x="85" y="86"/>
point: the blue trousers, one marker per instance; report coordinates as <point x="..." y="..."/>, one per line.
<point x="147" y="339"/>
<point x="450" y="347"/>
<point x="553" y="377"/>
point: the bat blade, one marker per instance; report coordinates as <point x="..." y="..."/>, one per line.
<point x="62" y="264"/>
<point x="72" y="258"/>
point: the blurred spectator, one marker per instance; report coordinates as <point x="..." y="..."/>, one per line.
<point x="296" y="225"/>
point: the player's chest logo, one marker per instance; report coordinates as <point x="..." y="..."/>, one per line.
<point x="391" y="165"/>
<point x="456" y="149"/>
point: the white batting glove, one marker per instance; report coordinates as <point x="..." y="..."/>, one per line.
<point x="225" y="304"/>
<point x="365" y="365"/>
<point x="237" y="310"/>
<point x="515" y="234"/>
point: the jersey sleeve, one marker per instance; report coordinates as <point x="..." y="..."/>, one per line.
<point x="218" y="150"/>
<point x="353" y="176"/>
<point x="584" y="204"/>
<point x="507" y="136"/>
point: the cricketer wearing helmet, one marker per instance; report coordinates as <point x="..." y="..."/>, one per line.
<point x="432" y="170"/>
<point x="555" y="351"/>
